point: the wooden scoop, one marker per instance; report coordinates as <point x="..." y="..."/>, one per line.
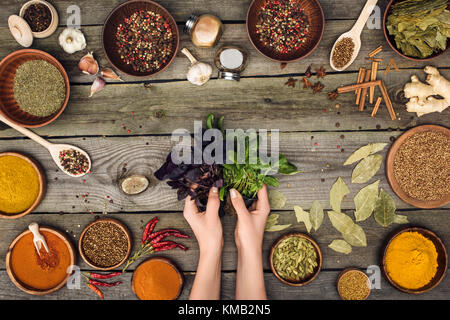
<point x="54" y="149"/>
<point x="355" y="34"/>
<point x="38" y="238"/>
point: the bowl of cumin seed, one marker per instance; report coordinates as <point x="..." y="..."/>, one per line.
<point x="105" y="244"/>
<point x="34" y="88"/>
<point x="418" y="166"/>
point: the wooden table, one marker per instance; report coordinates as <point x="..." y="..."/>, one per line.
<point x="316" y="135"/>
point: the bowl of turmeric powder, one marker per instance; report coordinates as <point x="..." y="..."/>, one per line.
<point x="414" y="260"/>
<point x="23" y="185"/>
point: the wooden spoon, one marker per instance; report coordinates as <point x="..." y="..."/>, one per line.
<point x="355" y="34"/>
<point x="54" y="149"/>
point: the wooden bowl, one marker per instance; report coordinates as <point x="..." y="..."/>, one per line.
<point x="344" y="272"/>
<point x="166" y="260"/>
<point x="390" y="39"/>
<point x="442" y="260"/>
<point x="53" y="24"/>
<point x="8" y="105"/>
<point x="101" y="220"/>
<point x="306" y="280"/>
<point x="116" y="17"/>
<point x="316" y="17"/>
<point x="22" y="286"/>
<point x="42" y="184"/>
<point x="425" y="204"/>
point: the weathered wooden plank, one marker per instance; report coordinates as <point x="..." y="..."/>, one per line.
<point x="251" y="103"/>
<point x="234" y="34"/>
<point x="323" y="287"/>
<point x="95" y="12"/>
<point x="321" y="165"/>
<point x="73" y="224"/>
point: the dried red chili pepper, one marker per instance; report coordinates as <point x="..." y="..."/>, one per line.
<point x="182" y="247"/>
<point x="96" y="290"/>
<point x="156" y="234"/>
<point x="104" y="284"/>
<point x="104" y="276"/>
<point x="177" y="234"/>
<point x="149" y="229"/>
<point x="167" y="247"/>
<point x="162" y="244"/>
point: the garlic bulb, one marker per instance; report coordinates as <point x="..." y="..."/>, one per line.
<point x="199" y="72"/>
<point x="72" y="40"/>
<point x="88" y="64"/>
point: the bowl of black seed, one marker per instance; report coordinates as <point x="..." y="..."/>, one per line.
<point x="105" y="244"/>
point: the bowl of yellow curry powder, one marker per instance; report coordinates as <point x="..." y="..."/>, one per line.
<point x="22" y="185"/>
<point x="414" y="260"/>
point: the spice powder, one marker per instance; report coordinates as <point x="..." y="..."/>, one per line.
<point x="354" y="285"/>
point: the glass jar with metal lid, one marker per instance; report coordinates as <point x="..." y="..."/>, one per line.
<point x="205" y="30"/>
<point x="231" y="61"/>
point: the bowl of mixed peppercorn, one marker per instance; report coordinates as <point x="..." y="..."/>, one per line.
<point x="140" y="38"/>
<point x="285" y="30"/>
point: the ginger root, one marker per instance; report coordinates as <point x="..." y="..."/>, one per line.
<point x="422" y="95"/>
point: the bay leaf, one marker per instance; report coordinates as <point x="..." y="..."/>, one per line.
<point x="278" y="227"/>
<point x="340" y="246"/>
<point x="365" y="201"/>
<point x="303" y="216"/>
<point x="338" y="191"/>
<point x="364" y="152"/>
<point x="271" y="220"/>
<point x="340" y="221"/>
<point x="355" y="236"/>
<point x="384" y="209"/>
<point x="400" y="219"/>
<point x="277" y="200"/>
<point x="316" y="215"/>
<point x="367" y="168"/>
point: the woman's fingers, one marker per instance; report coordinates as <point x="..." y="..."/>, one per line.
<point x="190" y="207"/>
<point x="238" y="202"/>
<point x="213" y="205"/>
<point x="262" y="204"/>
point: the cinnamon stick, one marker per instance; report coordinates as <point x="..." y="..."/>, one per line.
<point x="376" y="107"/>
<point x="362" y="101"/>
<point x="361" y="75"/>
<point x="387" y="100"/>
<point x="376" y="51"/>
<point x="373" y="77"/>
<point x="354" y="87"/>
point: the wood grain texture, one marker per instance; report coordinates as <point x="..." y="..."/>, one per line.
<point x="251" y="103"/>
<point x="95" y="12"/>
<point x="321" y="166"/>
<point x="235" y="34"/>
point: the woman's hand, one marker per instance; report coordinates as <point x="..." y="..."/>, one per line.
<point x="250" y="226"/>
<point x="206" y="225"/>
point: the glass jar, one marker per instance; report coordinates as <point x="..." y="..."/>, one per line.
<point x="205" y="30"/>
<point x="231" y="61"/>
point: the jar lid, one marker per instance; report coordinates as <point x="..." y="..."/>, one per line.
<point x="20" y="30"/>
<point x="190" y="24"/>
<point x="228" y="75"/>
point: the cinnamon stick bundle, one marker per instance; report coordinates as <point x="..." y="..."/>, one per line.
<point x="362" y="101"/>
<point x="354" y="87"/>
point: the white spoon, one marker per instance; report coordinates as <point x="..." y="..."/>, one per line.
<point x="38" y="238"/>
<point x="54" y="149"/>
<point x="355" y="34"/>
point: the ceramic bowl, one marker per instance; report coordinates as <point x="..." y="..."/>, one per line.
<point x="116" y="17"/>
<point x="42" y="185"/>
<point x="8" y="105"/>
<point x="390" y="39"/>
<point x="442" y="260"/>
<point x="102" y="220"/>
<point x="53" y="24"/>
<point x="316" y="270"/>
<point x="316" y="18"/>
<point x="22" y="286"/>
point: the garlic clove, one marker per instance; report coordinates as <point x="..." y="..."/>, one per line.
<point x="108" y="73"/>
<point x="97" y="85"/>
<point x="88" y="64"/>
<point x="199" y="73"/>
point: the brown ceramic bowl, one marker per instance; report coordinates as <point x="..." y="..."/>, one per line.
<point x="344" y="272"/>
<point x="316" y="18"/>
<point x="116" y="17"/>
<point x="8" y="105"/>
<point x="442" y="260"/>
<point x="168" y="261"/>
<point x="390" y="39"/>
<point x="121" y="226"/>
<point x="309" y="278"/>
<point x="22" y="286"/>
<point x="390" y="169"/>
<point x="42" y="183"/>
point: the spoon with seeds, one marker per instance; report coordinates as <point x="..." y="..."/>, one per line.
<point x="61" y="153"/>
<point x="355" y="35"/>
